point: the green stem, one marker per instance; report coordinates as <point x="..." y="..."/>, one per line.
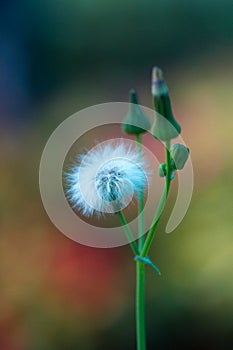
<point x="140" y="306"/>
<point x="141" y="200"/>
<point x="168" y="163"/>
<point x="128" y="233"/>
<point x="161" y="205"/>
<point x="140" y="269"/>
<point x="140" y="266"/>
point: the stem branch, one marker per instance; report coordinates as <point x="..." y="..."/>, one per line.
<point x="161" y="205"/>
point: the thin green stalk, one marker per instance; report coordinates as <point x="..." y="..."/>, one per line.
<point x="140" y="269"/>
<point x="168" y="163"/>
<point x="141" y="200"/>
<point x="140" y="306"/>
<point x="154" y="225"/>
<point x="128" y="233"/>
<point x="161" y="205"/>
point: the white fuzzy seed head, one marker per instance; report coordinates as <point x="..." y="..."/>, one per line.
<point x="106" y="179"/>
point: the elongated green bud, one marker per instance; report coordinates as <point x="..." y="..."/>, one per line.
<point x="179" y="154"/>
<point x="135" y="122"/>
<point x="165" y="128"/>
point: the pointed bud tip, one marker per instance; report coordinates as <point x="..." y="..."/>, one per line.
<point x="158" y="85"/>
<point x="133" y="98"/>
<point x="157" y="74"/>
<point x="132" y="92"/>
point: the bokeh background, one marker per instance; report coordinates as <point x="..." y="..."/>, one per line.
<point x="57" y="57"/>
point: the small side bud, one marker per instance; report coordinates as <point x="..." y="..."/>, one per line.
<point x="135" y="122"/>
<point x="179" y="154"/>
<point x="165" y="126"/>
<point x="162" y="170"/>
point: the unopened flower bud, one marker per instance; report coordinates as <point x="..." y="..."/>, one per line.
<point x="135" y="122"/>
<point x="162" y="170"/>
<point x="165" y="126"/>
<point x="179" y="154"/>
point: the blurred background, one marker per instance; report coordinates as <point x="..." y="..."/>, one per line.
<point x="57" y="57"/>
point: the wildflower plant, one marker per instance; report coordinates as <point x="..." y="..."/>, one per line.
<point x="110" y="175"/>
<point x="103" y="181"/>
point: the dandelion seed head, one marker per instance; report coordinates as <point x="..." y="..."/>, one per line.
<point x="105" y="179"/>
